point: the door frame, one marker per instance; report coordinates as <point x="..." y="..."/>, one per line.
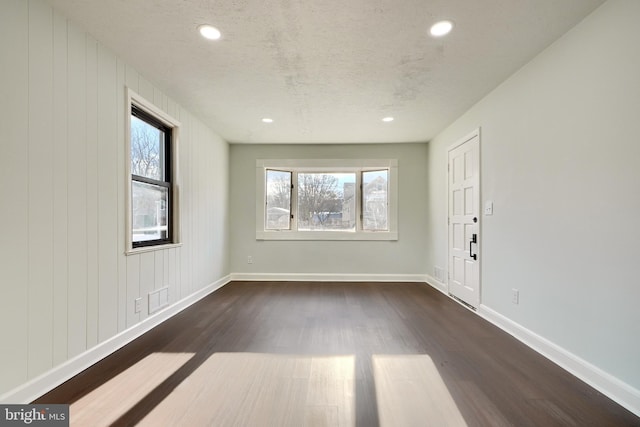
<point x="475" y="133"/>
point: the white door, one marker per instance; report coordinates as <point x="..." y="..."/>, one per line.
<point x="464" y="217"/>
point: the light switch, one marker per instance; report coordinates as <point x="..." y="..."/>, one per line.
<point x="488" y="207"/>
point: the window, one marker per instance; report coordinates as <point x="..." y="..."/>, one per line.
<point x="326" y="200"/>
<point x="279" y="186"/>
<point x="151" y="151"/>
<point x="375" y="200"/>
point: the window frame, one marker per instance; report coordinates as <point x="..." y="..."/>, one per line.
<point x="154" y="116"/>
<point x="356" y="166"/>
<point x="291" y="199"/>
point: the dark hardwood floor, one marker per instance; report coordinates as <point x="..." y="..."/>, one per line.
<point x="492" y="377"/>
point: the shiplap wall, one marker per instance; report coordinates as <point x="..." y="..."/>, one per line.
<point x="66" y="284"/>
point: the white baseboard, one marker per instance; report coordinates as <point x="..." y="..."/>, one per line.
<point x="617" y="390"/>
<point x="620" y="392"/>
<point x="321" y="277"/>
<point x="44" y="383"/>
<point x="435" y="283"/>
<point x="607" y="384"/>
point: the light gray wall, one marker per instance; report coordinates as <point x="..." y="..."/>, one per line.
<point x="65" y="283"/>
<point x="560" y="160"/>
<point x="405" y="256"/>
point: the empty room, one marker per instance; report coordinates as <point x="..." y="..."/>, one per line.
<point x="287" y="213"/>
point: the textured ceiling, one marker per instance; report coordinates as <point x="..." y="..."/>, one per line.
<point x="326" y="71"/>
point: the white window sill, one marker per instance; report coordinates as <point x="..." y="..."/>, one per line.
<point x="326" y="235"/>
<point x="143" y="249"/>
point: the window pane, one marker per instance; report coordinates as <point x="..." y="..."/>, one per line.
<point x="150" y="211"/>
<point x="278" y="200"/>
<point x="374" y="200"/>
<point x="147" y="150"/>
<point x="326" y="201"/>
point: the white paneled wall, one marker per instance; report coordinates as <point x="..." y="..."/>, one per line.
<point x="14" y="192"/>
<point x="65" y="283"/>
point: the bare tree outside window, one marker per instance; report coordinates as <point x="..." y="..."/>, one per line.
<point x="322" y="198"/>
<point x="147" y="146"/>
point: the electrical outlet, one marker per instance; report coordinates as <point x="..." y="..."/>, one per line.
<point x="249" y="259"/>
<point x="515" y="296"/>
<point x="138" y="305"/>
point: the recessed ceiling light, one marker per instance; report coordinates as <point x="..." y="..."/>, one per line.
<point x="387" y="119"/>
<point x="267" y="120"/>
<point x="209" y="32"/>
<point x="441" y="28"/>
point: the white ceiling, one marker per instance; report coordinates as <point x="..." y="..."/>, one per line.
<point x="326" y="71"/>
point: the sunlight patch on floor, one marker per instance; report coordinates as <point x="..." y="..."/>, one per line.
<point x="411" y="392"/>
<point x="110" y="401"/>
<point x="255" y="389"/>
